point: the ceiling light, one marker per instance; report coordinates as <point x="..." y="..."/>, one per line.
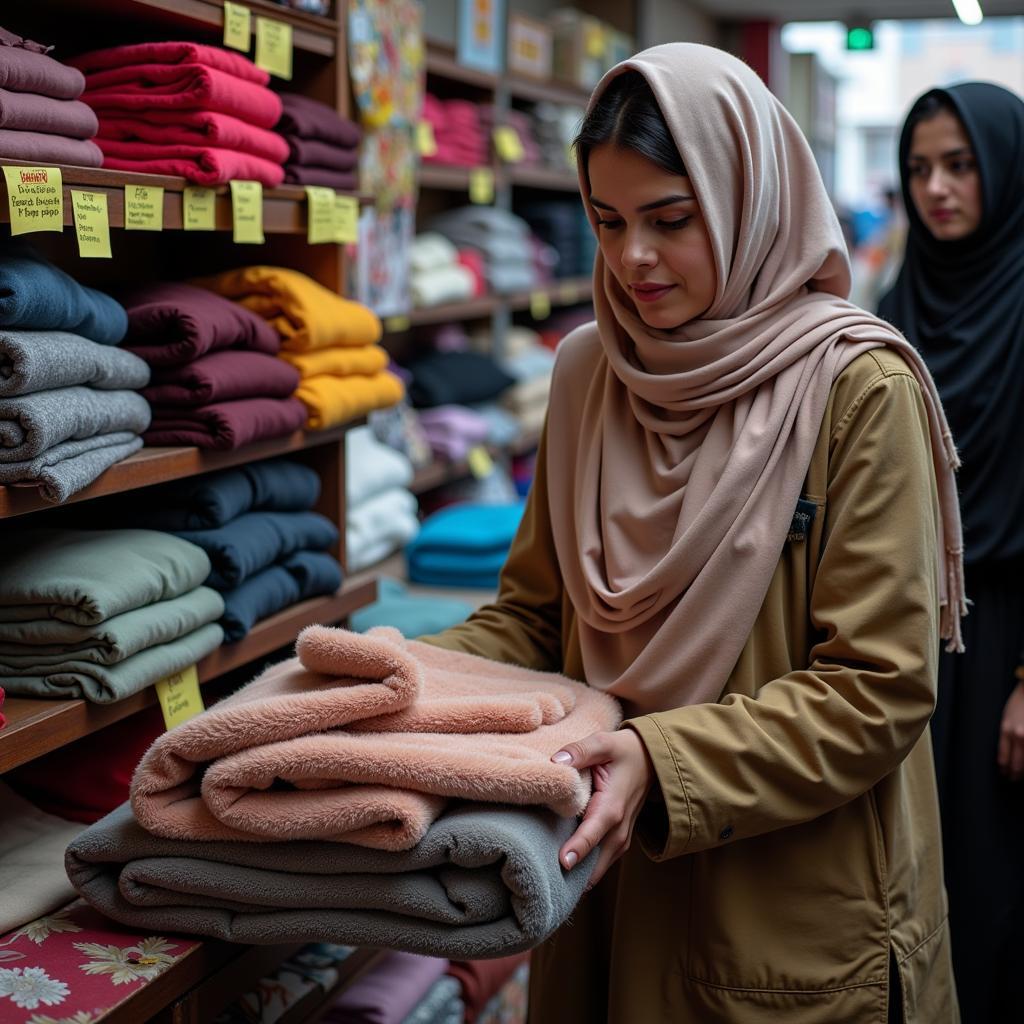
<point x="968" y="11"/>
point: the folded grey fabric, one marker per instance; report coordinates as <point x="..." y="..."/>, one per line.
<point x="28" y="112"/>
<point x="483" y="882"/>
<point x="30" y="424"/>
<point x="44" y="360"/>
<point x="66" y="468"/>
<point x="88" y="576"/>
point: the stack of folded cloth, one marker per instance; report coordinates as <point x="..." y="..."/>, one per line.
<point x="438" y="273"/>
<point x="331" y="341"/>
<point x="464" y="545"/>
<point x="267" y="549"/>
<point x="184" y="109"/>
<point x="481" y="982"/>
<point x="373" y="791"/>
<point x="459" y="134"/>
<point x="531" y="364"/>
<point x="558" y="223"/>
<point x="554" y="127"/>
<point x="456" y="378"/>
<point x="509" y="1003"/>
<point x="102" y="614"/>
<point x="453" y="430"/>
<point x="412" y="615"/>
<point x="41" y="118"/>
<point x="503" y="239"/>
<point x="522" y="124"/>
<point x="67" y="411"/>
<point x="216" y="379"/>
<point x="380" y="510"/>
<point x="323" y="146"/>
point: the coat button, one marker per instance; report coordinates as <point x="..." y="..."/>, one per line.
<point x="725" y="833"/>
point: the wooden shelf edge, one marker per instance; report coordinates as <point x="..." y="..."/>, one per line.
<point x="543" y="178"/>
<point x="471" y="309"/>
<point x="552" y="90"/>
<point x="441" y="62"/>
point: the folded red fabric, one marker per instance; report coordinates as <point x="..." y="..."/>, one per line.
<point x="194" y="128"/>
<point x="170" y="53"/>
<point x="29" y="112"/>
<point x="182" y="87"/>
<point x="481" y="980"/>
<point x="226" y="425"/>
<point x="203" y="165"/>
<point x="221" y="377"/>
<point x="49" y="149"/>
<point x="346" y="181"/>
<point x="314" y="153"/>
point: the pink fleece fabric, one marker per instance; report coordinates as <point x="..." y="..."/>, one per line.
<point x="170" y="52"/>
<point x="363" y="739"/>
<point x="203" y="165"/>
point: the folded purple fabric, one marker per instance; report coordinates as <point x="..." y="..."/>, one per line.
<point x="314" y="153"/>
<point x="346" y="181"/>
<point x="310" y="119"/>
<point x="222" y="377"/>
<point x="24" y="69"/>
<point x="389" y="992"/>
<point x="170" y="324"/>
<point x="226" y="425"/>
<point x="452" y="430"/>
<point x="27" y="112"/>
<point x="49" y="149"/>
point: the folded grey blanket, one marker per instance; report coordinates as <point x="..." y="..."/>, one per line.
<point x="30" y="424"/>
<point x="43" y="360"/>
<point x="483" y="882"/>
<point x="66" y="468"/>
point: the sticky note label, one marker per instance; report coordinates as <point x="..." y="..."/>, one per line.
<point x="179" y="696"/>
<point x="480" y="462"/>
<point x="237" y="26"/>
<point x="426" y="143"/>
<point x="92" y="224"/>
<point x="247" y="211"/>
<point x="35" y="199"/>
<point x="143" y="208"/>
<point x="274" y="47"/>
<point x="397" y="324"/>
<point x="199" y="209"/>
<point x="346" y="219"/>
<point x="481" y="185"/>
<point x="568" y="294"/>
<point x="508" y="144"/>
<point x="540" y="305"/>
<point x="320" y="214"/>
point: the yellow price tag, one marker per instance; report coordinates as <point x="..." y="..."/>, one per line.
<point x="274" y="47"/>
<point x="247" y="211"/>
<point x="237" y="26"/>
<point x="540" y="305"/>
<point x="143" y="208"/>
<point x="481" y="186"/>
<point x="92" y="223"/>
<point x="35" y="199"/>
<point x="179" y="696"/>
<point x="596" y="44"/>
<point x="426" y="144"/>
<point x="199" y="208"/>
<point x="346" y="219"/>
<point x="397" y="324"/>
<point x="480" y="462"/>
<point x="568" y="294"/>
<point x="320" y="214"/>
<point x="508" y="145"/>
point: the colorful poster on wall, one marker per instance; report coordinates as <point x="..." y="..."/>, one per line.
<point x="481" y="36"/>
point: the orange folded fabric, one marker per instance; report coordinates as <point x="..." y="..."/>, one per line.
<point x="333" y="400"/>
<point x="339" y="362"/>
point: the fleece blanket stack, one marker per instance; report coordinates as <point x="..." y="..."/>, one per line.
<point x="267" y="548"/>
<point x="458" y="132"/>
<point x="530" y="364"/>
<point x="185" y="109"/>
<point x="373" y="791"/>
<point x="437" y="273"/>
<point x="101" y="614"/>
<point x="217" y="381"/>
<point x="42" y="119"/>
<point x="504" y="241"/>
<point x="331" y="341"/>
<point x="68" y="408"/>
<point x="322" y="147"/>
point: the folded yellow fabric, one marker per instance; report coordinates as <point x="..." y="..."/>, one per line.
<point x="339" y="362"/>
<point x="332" y="400"/>
<point x="306" y="314"/>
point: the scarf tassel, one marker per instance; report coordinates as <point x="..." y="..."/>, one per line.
<point x="955" y="606"/>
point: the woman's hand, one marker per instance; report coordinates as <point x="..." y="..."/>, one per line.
<point x="1011" y="736"/>
<point x="622" y="774"/>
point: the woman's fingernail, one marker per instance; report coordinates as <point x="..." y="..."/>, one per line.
<point x="562" y="757"/>
<point x="570" y="859"/>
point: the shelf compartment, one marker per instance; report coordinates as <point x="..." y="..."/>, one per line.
<point x="471" y="309"/>
<point x="565" y="292"/>
<point x="439" y="473"/>
<point x="449" y="179"/>
<point x="552" y="91"/>
<point x="441" y="62"/>
<point x="544" y="178"/>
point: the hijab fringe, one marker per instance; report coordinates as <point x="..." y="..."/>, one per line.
<point x="955" y="607"/>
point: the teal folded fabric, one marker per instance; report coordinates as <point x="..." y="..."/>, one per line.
<point x="411" y="616"/>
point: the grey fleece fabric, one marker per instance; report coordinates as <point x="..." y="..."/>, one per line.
<point x="30" y="424"/>
<point x="483" y="882"/>
<point x="43" y="360"/>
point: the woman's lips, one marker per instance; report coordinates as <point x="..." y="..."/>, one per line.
<point x="651" y="292"/>
<point x="942" y="216"/>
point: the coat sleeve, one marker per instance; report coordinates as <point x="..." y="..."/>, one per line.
<point x="820" y="736"/>
<point x="524" y="624"/>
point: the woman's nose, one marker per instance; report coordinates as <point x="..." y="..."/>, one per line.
<point x="637" y="252"/>
<point x="937" y="184"/>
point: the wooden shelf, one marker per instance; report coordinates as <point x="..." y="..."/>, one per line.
<point x="37" y="725"/>
<point x="441" y="63"/>
<point x="439" y="473"/>
<point x="544" y="177"/>
<point x="471" y="309"/>
<point x="552" y="91"/>
<point x="449" y="179"/>
<point x="565" y="292"/>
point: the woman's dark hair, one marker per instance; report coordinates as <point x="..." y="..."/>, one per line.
<point x="627" y="115"/>
<point x="930" y="104"/>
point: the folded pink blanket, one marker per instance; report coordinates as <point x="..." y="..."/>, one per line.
<point x="147" y="87"/>
<point x="362" y="739"/>
<point x="225" y="425"/>
<point x="202" y="165"/>
<point x="28" y="112"/>
<point x="49" y="149"/>
<point x="24" y="69"/>
<point x="170" y="53"/>
<point x="194" y="128"/>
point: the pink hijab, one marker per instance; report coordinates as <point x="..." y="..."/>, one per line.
<point x="676" y="484"/>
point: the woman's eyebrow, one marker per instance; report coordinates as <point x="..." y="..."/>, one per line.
<point x="948" y="155"/>
<point x="667" y="201"/>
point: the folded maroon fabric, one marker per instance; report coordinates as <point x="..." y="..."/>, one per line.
<point x="314" y="153"/>
<point x="24" y="69"/>
<point x="170" y="53"/>
<point x="194" y="128"/>
<point x="226" y="425"/>
<point x="310" y="119"/>
<point x="221" y="377"/>
<point x="49" y="149"/>
<point x="147" y="87"/>
<point x="27" y="112"/>
<point x="202" y="165"/>
<point x="171" y="323"/>
<point x="481" y="980"/>
<point x="346" y="181"/>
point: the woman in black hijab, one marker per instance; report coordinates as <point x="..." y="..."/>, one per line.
<point x="960" y="299"/>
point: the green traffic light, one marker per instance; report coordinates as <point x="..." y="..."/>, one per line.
<point x="860" y="38"/>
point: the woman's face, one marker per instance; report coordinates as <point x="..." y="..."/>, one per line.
<point x="652" y="236"/>
<point x="944" y="181"/>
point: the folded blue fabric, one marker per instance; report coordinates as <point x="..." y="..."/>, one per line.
<point x="36" y="295"/>
<point x="255" y="540"/>
<point x="464" y="545"/>
<point x="411" y="616"/>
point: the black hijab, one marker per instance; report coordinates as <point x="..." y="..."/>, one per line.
<point x="961" y="303"/>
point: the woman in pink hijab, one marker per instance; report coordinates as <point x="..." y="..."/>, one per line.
<point x="744" y="525"/>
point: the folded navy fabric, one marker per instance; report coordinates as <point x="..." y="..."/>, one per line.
<point x="456" y="378"/>
<point x="35" y="295"/>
